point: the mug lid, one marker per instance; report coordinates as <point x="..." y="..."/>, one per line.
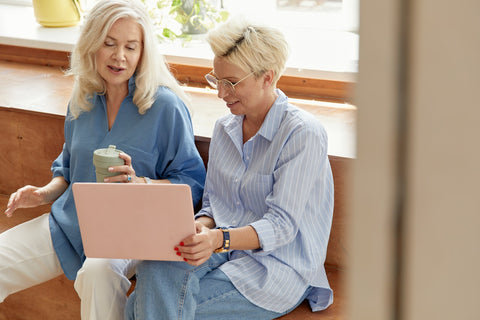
<point x="109" y="155"/>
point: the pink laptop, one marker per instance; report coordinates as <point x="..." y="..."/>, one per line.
<point x="133" y="221"/>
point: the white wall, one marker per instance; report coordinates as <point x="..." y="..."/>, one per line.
<point x="442" y="235"/>
<point x="372" y="215"/>
<point x="416" y="180"/>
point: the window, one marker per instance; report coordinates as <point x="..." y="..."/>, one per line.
<point x="322" y="34"/>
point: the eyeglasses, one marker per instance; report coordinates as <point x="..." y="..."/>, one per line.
<point x="226" y="85"/>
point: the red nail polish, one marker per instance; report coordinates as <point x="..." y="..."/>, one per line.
<point x="185" y="259"/>
<point x="182" y="244"/>
<point x="176" y="249"/>
<point x="179" y="254"/>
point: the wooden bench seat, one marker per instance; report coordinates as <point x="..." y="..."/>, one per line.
<point x="56" y="299"/>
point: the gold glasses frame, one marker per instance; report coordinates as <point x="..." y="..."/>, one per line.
<point x="226" y="85"/>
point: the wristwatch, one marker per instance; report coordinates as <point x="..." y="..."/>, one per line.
<point x="226" y="241"/>
<point x="147" y="180"/>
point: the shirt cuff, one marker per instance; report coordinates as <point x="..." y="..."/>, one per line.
<point x="61" y="172"/>
<point x="266" y="235"/>
<point x="203" y="213"/>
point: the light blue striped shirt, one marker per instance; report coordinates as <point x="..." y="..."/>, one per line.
<point x="280" y="183"/>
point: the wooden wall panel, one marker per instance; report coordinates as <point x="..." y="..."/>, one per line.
<point x="337" y="253"/>
<point x="29" y="144"/>
<point x="10" y="164"/>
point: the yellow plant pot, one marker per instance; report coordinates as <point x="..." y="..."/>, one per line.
<point x="57" y="13"/>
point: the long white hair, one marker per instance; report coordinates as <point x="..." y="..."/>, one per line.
<point x="152" y="70"/>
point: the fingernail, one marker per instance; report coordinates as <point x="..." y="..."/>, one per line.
<point x="110" y="169"/>
<point x="176" y="249"/>
<point x="179" y="254"/>
<point x="106" y="180"/>
<point x="185" y="259"/>
<point x="182" y="244"/>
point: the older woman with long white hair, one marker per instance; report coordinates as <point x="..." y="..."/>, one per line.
<point x="123" y="95"/>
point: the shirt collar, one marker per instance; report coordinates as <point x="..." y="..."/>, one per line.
<point x="274" y="117"/>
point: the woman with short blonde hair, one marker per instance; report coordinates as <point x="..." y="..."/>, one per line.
<point x="263" y="230"/>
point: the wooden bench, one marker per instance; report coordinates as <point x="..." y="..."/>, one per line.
<point x="26" y="134"/>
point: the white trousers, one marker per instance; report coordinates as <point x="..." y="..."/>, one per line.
<point x="27" y="258"/>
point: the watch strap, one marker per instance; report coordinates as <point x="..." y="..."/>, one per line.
<point x="226" y="240"/>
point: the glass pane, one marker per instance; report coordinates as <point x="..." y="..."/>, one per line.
<point x="310" y="5"/>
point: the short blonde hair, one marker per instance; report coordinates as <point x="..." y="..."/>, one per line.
<point x="252" y="47"/>
<point x="152" y="70"/>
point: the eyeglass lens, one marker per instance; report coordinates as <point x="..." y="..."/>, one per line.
<point x="215" y="83"/>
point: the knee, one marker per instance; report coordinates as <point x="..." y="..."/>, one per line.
<point x="95" y="268"/>
<point x="102" y="277"/>
<point x="95" y="272"/>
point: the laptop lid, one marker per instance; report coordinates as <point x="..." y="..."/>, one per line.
<point x="133" y="221"/>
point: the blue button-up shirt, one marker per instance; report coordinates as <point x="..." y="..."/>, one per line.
<point x="279" y="182"/>
<point x="160" y="142"/>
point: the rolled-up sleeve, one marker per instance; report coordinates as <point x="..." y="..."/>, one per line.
<point x="266" y="235"/>
<point x="61" y="165"/>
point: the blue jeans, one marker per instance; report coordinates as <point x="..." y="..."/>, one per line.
<point x="177" y="290"/>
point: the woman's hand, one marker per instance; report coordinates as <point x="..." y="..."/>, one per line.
<point x="30" y="196"/>
<point x="127" y="173"/>
<point x="198" y="248"/>
<point x="25" y="197"/>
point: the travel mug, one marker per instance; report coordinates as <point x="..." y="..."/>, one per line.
<point x="104" y="159"/>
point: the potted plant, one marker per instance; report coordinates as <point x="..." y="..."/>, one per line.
<point x="184" y="18"/>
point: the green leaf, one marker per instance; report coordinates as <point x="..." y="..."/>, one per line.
<point x="196" y="8"/>
<point x="182" y="19"/>
<point x="224" y="15"/>
<point x="169" y="34"/>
